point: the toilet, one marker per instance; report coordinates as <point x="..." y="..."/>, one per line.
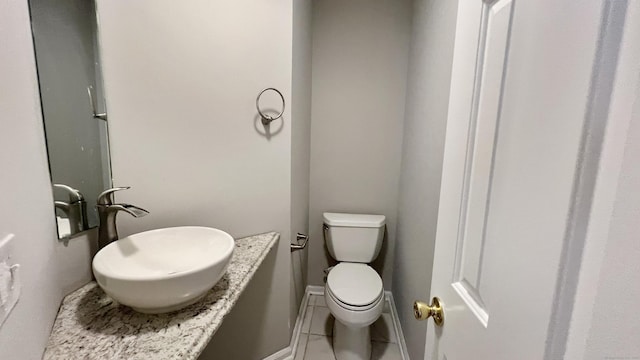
<point x="354" y="291"/>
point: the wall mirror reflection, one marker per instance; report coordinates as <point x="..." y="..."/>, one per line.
<point x="66" y="47"/>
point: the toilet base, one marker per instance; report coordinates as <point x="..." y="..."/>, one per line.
<point x="351" y="343"/>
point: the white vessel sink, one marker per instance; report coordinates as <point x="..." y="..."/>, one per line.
<point x="163" y="270"/>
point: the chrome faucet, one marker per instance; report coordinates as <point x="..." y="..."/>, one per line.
<point x="107" y="211"/>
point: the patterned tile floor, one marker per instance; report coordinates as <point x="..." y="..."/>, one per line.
<point x="317" y="328"/>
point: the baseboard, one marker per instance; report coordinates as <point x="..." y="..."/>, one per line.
<point x="315" y="290"/>
<point x="284" y="354"/>
<point x="289" y="352"/>
<point x="396" y="324"/>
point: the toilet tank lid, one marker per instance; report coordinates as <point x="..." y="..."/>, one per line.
<point x="353" y="220"/>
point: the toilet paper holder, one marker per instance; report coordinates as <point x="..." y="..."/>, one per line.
<point x="299" y="237"/>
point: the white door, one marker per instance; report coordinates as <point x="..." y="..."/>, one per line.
<point x="519" y="103"/>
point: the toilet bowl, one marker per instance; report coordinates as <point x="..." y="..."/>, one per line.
<point x="354" y="307"/>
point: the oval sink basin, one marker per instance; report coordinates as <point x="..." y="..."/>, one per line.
<point x="163" y="270"/>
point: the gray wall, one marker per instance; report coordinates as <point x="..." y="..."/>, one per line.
<point x="300" y="146"/>
<point x="181" y="81"/>
<point x="610" y="270"/>
<point x="426" y="114"/>
<point x="49" y="269"/>
<point x="620" y="272"/>
<point x="360" y="54"/>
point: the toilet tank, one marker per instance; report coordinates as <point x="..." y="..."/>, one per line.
<point x="353" y="237"/>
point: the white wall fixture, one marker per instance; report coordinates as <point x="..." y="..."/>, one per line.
<point x="9" y="279"/>
<point x="163" y="270"/>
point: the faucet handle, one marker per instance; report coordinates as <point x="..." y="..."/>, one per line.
<point x="106" y="197"/>
<point x="74" y="194"/>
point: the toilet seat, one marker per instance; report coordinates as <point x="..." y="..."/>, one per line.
<point x="355" y="286"/>
<point x="352" y="307"/>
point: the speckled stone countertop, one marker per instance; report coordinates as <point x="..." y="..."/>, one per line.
<point x="90" y="325"/>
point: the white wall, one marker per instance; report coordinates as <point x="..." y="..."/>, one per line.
<point x="181" y="80"/>
<point x="300" y="146"/>
<point x="49" y="269"/>
<point x="360" y="56"/>
<point x="615" y="325"/>
<point x="424" y="130"/>
<point x="604" y="321"/>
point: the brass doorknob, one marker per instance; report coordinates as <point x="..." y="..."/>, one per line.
<point x="422" y="311"/>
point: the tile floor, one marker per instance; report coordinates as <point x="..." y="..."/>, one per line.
<point x="317" y="328"/>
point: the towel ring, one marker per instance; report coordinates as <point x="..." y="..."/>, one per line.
<point x="267" y="119"/>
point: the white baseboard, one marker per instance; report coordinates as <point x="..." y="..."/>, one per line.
<point x="396" y="324"/>
<point x="289" y="352"/>
<point x="315" y="290"/>
<point x="284" y="354"/>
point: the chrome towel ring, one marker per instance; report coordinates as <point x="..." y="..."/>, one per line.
<point x="266" y="118"/>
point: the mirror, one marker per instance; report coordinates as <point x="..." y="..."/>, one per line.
<point x="66" y="47"/>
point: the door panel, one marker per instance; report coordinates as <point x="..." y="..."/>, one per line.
<point x="495" y="20"/>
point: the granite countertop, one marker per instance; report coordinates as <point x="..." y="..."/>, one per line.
<point x="90" y="325"/>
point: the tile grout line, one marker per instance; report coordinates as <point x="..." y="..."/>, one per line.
<point x="313" y="307"/>
<point x="306" y="345"/>
<point x="298" y="327"/>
